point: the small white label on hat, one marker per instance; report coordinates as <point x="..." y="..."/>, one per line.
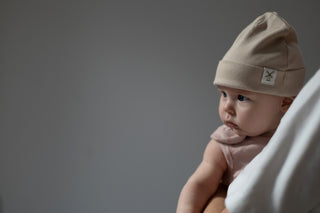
<point x="269" y="76"/>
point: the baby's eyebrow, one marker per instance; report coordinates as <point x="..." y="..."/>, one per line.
<point x="245" y="93"/>
<point x="233" y="91"/>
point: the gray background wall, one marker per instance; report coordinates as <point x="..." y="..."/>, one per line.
<point x="107" y="106"/>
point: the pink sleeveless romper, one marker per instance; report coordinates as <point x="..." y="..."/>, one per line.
<point x="238" y="150"/>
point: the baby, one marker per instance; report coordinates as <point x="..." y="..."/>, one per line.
<point x="258" y="79"/>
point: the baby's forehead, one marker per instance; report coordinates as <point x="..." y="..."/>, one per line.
<point x="233" y="90"/>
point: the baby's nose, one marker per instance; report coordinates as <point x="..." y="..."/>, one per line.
<point x="229" y="107"/>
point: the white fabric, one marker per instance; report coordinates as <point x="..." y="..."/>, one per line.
<point x="285" y="176"/>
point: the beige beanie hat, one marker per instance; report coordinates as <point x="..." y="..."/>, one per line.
<point x="264" y="58"/>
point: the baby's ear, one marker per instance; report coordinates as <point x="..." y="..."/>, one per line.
<point x="286" y="103"/>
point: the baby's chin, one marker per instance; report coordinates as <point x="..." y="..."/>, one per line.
<point x="242" y="132"/>
<point x="238" y="131"/>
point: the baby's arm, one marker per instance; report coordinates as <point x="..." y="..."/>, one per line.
<point x="204" y="181"/>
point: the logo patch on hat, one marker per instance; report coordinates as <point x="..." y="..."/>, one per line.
<point x="269" y="76"/>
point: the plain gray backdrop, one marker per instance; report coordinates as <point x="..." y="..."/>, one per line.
<point x="107" y="106"/>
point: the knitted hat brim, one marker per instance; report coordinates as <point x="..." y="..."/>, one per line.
<point x="248" y="77"/>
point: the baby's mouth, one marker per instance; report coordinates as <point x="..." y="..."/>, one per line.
<point x="232" y="125"/>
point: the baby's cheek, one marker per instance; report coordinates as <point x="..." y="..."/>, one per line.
<point x="254" y="121"/>
<point x="221" y="113"/>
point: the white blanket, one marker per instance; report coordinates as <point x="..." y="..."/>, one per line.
<point x="285" y="176"/>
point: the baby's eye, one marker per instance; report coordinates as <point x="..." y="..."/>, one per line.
<point x="224" y="94"/>
<point x="242" y="98"/>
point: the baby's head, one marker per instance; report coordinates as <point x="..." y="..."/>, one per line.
<point x="259" y="76"/>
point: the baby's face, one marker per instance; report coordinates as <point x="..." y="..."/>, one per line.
<point x="249" y="113"/>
